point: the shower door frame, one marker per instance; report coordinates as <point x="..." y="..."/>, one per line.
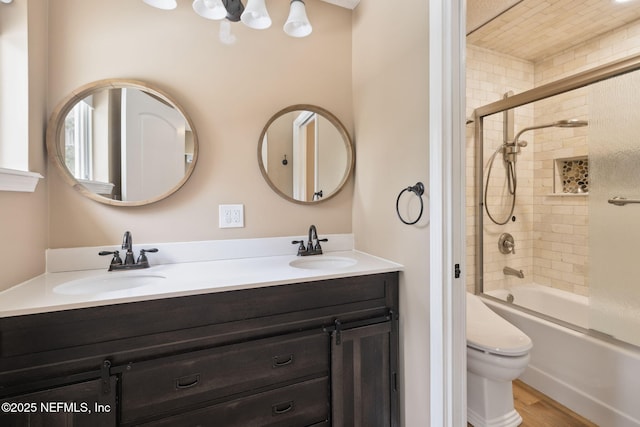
<point x="582" y="79"/>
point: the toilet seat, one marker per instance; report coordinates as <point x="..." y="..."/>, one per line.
<point x="488" y="332"/>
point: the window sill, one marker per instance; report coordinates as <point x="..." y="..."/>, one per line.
<point x="16" y="180"/>
<point x="97" y="187"/>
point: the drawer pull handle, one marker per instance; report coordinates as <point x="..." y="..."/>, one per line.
<point x="282" y="408"/>
<point x="277" y="362"/>
<point x="187" y="382"/>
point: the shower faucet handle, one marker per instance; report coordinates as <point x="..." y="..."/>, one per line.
<point x="506" y="244"/>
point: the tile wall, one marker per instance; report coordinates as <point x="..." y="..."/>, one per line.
<point x="489" y="76"/>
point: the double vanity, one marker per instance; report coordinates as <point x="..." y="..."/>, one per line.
<point x="277" y="340"/>
<point x="237" y="333"/>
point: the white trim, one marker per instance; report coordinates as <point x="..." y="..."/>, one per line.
<point x="447" y="321"/>
<point x="16" y="180"/>
<point x="97" y="187"/>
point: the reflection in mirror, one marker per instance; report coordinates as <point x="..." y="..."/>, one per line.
<point x="122" y="143"/>
<point x="305" y="154"/>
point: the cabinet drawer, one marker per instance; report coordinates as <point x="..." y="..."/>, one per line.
<point x="301" y="404"/>
<point x="163" y="385"/>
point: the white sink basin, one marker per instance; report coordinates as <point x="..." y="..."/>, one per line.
<point x="112" y="282"/>
<point x="322" y="262"/>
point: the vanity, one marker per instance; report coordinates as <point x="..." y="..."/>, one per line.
<point x="220" y="333"/>
<point x="277" y="340"/>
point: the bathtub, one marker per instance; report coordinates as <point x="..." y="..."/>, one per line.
<point x="597" y="378"/>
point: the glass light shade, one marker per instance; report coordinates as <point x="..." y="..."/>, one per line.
<point x="210" y="9"/>
<point x="255" y="15"/>
<point x="162" y="4"/>
<point x="225" y="35"/>
<point x="297" y="24"/>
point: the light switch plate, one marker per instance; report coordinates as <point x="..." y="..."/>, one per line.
<point x="231" y="216"/>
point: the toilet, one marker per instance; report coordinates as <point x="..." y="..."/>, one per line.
<point x="497" y="353"/>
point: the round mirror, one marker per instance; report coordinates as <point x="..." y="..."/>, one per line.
<point x="305" y="154"/>
<point x="122" y="142"/>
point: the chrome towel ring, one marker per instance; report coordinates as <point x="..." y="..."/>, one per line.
<point x="418" y="190"/>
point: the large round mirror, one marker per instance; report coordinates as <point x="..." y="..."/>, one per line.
<point x="305" y="154"/>
<point x="122" y="142"/>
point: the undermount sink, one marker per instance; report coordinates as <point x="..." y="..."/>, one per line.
<point x="112" y="282"/>
<point x="322" y="262"/>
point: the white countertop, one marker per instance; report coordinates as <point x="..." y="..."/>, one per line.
<point x="181" y="279"/>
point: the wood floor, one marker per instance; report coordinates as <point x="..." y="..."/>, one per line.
<point x="538" y="410"/>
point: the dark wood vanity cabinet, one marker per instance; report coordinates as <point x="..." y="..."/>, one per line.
<point x="321" y="353"/>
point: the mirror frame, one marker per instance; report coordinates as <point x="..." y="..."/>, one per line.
<point x="55" y="127"/>
<point x="348" y="142"/>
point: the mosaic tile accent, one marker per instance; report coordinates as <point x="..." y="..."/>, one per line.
<point x="575" y="175"/>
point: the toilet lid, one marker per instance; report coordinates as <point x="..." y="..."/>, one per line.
<point x="489" y="332"/>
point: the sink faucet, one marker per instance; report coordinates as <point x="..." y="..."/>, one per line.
<point x="513" y="272"/>
<point x="311" y="249"/>
<point x="127" y="245"/>
<point x="129" y="261"/>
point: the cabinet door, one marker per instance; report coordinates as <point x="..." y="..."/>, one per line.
<point x="363" y="376"/>
<point x="75" y="405"/>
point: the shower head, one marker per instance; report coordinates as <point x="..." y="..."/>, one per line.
<point x="572" y="123"/>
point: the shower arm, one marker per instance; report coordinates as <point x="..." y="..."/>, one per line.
<point x="515" y="140"/>
<point x="572" y="123"/>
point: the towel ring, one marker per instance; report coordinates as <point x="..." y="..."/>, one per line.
<point x="418" y="190"/>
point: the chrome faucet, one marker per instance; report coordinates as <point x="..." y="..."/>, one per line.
<point x="129" y="261"/>
<point x="513" y="272"/>
<point x="312" y="248"/>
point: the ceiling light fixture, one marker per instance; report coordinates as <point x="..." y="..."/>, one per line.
<point x="255" y="15"/>
<point x="162" y="4"/>
<point x="297" y="24"/>
<point x="210" y="9"/>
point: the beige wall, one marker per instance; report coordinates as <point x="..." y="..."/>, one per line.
<point x="390" y="69"/>
<point x="229" y="91"/>
<point x="23" y="216"/>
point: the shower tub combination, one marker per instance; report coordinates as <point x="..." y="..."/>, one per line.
<point x="591" y="373"/>
<point x="593" y="376"/>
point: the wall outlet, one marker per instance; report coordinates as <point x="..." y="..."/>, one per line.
<point x="231" y="216"/>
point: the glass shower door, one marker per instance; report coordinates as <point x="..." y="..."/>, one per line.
<point x="614" y="246"/>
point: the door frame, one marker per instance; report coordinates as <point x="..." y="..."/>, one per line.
<point x="447" y="289"/>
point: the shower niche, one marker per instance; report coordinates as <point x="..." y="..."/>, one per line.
<point x="571" y="176"/>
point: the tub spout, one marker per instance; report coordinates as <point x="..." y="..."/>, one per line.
<point x="513" y="272"/>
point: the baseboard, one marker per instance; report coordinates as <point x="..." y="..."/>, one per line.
<point x="576" y="400"/>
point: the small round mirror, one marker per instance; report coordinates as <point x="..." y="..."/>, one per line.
<point x="305" y="154"/>
<point x="122" y="142"/>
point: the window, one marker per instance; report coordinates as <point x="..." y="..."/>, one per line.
<point x="79" y="140"/>
<point x="14" y="93"/>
